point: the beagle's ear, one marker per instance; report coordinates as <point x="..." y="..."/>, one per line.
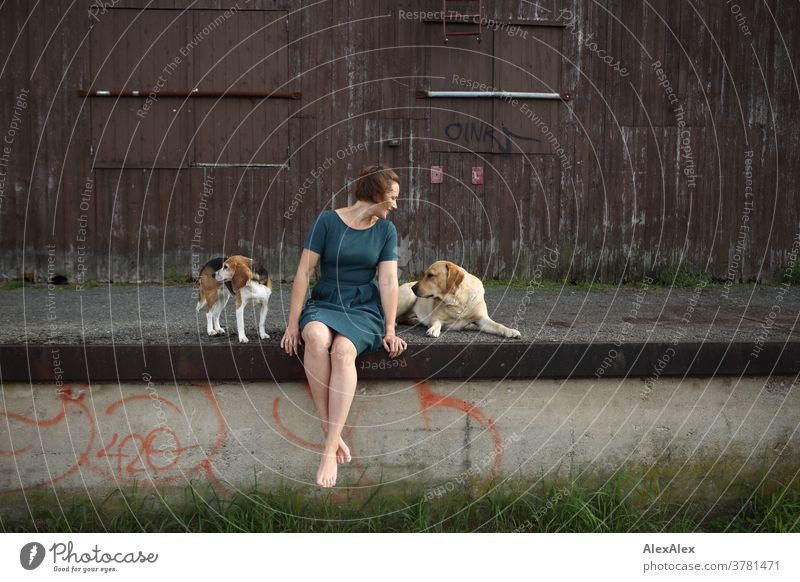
<point x="454" y="277"/>
<point x="241" y="274"/>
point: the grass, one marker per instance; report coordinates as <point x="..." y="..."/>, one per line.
<point x="777" y="512"/>
<point x="669" y="276"/>
<point x="681" y="275"/>
<point x="673" y="275"/>
<point x="794" y="276"/>
<point x="597" y="285"/>
<point x="551" y="285"/>
<point x="556" y="509"/>
<point x="175" y="278"/>
<point x="524" y="283"/>
<point x="13" y="284"/>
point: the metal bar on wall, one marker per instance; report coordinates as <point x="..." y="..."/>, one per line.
<point x="235" y="165"/>
<point x="493" y="94"/>
<point x="215" y="94"/>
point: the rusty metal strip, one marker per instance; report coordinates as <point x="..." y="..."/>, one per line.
<point x="295" y="95"/>
<point x="235" y="165"/>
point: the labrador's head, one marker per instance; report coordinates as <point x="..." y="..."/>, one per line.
<point x="441" y="279"/>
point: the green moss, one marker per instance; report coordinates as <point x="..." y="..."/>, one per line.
<point x="13" y="284"/>
<point x="546" y="284"/>
<point x="794" y="276"/>
<point x="173" y="277"/>
<point x="682" y="275"/>
<point x="596" y="285"/>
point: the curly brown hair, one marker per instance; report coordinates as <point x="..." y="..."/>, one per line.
<point x="374" y="181"/>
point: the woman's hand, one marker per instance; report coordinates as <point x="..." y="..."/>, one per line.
<point x="394" y="345"/>
<point x="291" y="339"/>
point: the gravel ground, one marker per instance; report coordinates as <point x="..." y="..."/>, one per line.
<point x="126" y="314"/>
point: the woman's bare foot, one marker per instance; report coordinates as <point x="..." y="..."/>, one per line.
<point x="326" y="474"/>
<point x="343" y="453"/>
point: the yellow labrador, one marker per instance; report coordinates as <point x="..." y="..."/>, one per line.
<point x="449" y="297"/>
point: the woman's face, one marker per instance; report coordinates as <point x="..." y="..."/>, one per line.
<point x="389" y="201"/>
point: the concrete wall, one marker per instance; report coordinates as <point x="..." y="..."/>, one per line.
<point x="712" y="438"/>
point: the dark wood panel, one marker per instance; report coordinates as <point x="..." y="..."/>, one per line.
<point x="617" y="203"/>
<point x="140" y="50"/>
<point x="208" y="50"/>
<point x="192" y="214"/>
<point x="458" y="124"/>
<point x="244" y="52"/>
<point x="529" y="63"/>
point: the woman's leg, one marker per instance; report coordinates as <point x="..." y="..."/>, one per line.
<point x="318" y="338"/>
<point x="342" y="389"/>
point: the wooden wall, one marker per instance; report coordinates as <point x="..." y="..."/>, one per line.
<point x="644" y="167"/>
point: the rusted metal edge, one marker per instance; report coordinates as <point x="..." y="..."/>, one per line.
<point x="498" y="23"/>
<point x="295" y="95"/>
<point x="103" y="363"/>
<point x="235" y="165"/>
<point x="154" y="165"/>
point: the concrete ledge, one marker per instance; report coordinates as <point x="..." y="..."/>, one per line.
<point x="688" y="439"/>
<point x="254" y="362"/>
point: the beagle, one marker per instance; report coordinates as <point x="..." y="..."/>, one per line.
<point x="213" y="295"/>
<point x="240" y="277"/>
<point x="450" y="297"/>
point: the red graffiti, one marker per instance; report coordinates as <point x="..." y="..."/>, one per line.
<point x="157" y="456"/>
<point x="428" y="400"/>
<point x="146" y="454"/>
<point x="66" y="396"/>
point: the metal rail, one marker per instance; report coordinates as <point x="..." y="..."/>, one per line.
<point x="295" y="95"/>
<point x="235" y="165"/>
<point x="423" y="94"/>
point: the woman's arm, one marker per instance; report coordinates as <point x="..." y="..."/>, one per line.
<point x="389" y="289"/>
<point x="291" y="338"/>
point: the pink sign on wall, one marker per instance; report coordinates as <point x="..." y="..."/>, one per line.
<point x="437" y="175"/>
<point x="477" y="175"/>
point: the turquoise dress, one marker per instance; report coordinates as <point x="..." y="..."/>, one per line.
<point x="346" y="297"/>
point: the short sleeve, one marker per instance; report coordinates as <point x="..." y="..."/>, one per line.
<point x="315" y="240"/>
<point x="389" y="251"/>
